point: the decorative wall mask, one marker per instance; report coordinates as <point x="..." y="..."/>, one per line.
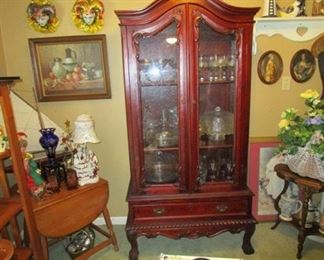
<point x="88" y="15"/>
<point x="41" y="15"/>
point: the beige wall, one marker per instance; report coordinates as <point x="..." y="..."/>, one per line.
<point x="109" y="114"/>
<point x="2" y="59"/>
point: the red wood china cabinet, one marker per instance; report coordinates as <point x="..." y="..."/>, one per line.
<point x="187" y="66"/>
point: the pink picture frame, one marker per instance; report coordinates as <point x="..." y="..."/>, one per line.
<point x="261" y="150"/>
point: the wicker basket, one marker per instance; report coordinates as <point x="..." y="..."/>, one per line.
<point x="306" y="163"/>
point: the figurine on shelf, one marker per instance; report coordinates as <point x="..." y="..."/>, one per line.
<point x="294" y="10"/>
<point x="318" y="8"/>
<point x="270" y="8"/>
<point x="35" y="182"/>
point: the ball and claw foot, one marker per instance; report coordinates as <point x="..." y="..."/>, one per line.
<point x="248" y="249"/>
<point x="247" y="246"/>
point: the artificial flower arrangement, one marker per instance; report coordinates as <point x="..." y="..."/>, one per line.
<point x="302" y="137"/>
<point x="296" y="131"/>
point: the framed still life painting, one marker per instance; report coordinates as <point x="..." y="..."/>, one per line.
<point x="261" y="150"/>
<point x="70" y="67"/>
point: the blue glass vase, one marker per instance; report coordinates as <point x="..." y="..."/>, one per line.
<point x="49" y="142"/>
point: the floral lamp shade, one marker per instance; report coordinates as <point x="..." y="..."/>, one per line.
<point x="84" y="130"/>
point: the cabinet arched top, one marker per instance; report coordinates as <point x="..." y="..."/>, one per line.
<point x="154" y="10"/>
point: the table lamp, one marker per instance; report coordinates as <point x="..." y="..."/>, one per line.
<point x="85" y="162"/>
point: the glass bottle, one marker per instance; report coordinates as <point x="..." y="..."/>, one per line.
<point x="218" y="126"/>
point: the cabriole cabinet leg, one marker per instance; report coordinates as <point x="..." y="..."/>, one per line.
<point x="247" y="246"/>
<point x="133" y="253"/>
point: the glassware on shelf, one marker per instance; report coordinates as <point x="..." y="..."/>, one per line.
<point x="161" y="168"/>
<point x="209" y="123"/>
<point x="218" y="126"/>
<point x="168" y="136"/>
<point x="203" y="169"/>
<point x="201" y="62"/>
<point x="157" y="71"/>
<point x="154" y="71"/>
<point x="168" y="72"/>
<point x="149" y="134"/>
<point x="231" y="67"/>
<point x="212" y="171"/>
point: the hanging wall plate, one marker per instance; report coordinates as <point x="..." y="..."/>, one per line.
<point x="41" y="15"/>
<point x="88" y="15"/>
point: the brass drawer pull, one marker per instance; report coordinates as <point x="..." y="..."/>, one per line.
<point x="222" y="208"/>
<point x="158" y="211"/>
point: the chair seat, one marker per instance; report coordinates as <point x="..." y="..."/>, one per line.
<point x="9" y="208"/>
<point x="6" y="249"/>
<point x="22" y="253"/>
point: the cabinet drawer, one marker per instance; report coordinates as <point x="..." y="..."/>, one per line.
<point x="191" y="210"/>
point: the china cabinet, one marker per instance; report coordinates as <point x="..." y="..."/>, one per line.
<point x="187" y="68"/>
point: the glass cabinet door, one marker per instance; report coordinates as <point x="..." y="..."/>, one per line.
<point x="157" y="64"/>
<point x="216" y="79"/>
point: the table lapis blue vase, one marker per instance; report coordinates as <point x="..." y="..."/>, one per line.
<point x="52" y="170"/>
<point x="49" y="142"/>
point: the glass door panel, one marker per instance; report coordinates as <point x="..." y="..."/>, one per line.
<point x="158" y="82"/>
<point x="217" y="72"/>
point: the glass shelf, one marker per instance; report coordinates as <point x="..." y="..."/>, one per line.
<point x="159" y="84"/>
<point x="161" y="149"/>
<point x="216" y="146"/>
<point x="216" y="82"/>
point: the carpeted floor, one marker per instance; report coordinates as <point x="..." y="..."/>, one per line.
<point x="278" y="244"/>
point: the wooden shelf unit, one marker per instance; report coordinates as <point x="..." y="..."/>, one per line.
<point x="57" y="215"/>
<point x="12" y="205"/>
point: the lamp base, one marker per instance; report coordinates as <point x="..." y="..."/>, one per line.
<point x="85" y="164"/>
<point x="90" y="180"/>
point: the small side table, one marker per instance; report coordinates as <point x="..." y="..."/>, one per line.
<point x="308" y="187"/>
<point x="68" y="211"/>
